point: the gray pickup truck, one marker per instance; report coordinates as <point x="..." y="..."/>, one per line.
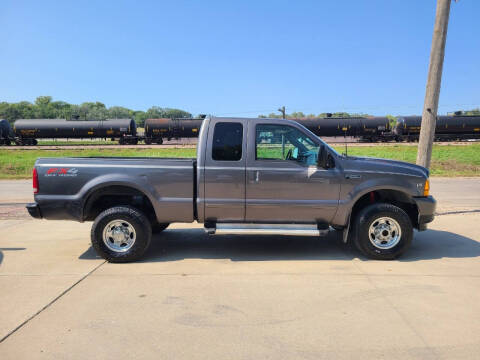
<point x="251" y="176"/>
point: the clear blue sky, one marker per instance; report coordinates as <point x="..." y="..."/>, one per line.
<point x="238" y="57"/>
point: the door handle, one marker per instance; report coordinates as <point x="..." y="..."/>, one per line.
<point x="257" y="176"/>
<point x="350" y="176"/>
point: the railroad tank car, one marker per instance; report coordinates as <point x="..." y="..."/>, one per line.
<point x="375" y="129"/>
<point x="447" y="127"/>
<point x="6" y="132"/>
<point x="459" y="125"/>
<point x="158" y="129"/>
<point x="365" y="128"/>
<point x="408" y="127"/>
<point x="28" y="130"/>
<point x="330" y="126"/>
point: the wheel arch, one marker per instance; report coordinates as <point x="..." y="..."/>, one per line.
<point x="387" y="195"/>
<point x="109" y="195"/>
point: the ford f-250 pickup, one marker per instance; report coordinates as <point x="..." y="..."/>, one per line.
<point x="251" y="176"/>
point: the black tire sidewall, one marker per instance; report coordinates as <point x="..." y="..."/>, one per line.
<point x="136" y="219"/>
<point x="367" y="216"/>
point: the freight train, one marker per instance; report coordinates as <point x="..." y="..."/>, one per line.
<point x="28" y="131"/>
<point x="401" y="128"/>
<point x="365" y="129"/>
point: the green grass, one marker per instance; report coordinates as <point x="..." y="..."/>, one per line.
<point x="447" y="160"/>
<point x="266" y="151"/>
<point x="18" y="164"/>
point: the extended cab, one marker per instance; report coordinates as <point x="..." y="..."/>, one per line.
<point x="251" y="176"/>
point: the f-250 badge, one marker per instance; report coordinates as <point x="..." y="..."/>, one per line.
<point x="65" y="172"/>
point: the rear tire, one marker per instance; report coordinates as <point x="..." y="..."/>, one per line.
<point x="121" y="234"/>
<point x="383" y="231"/>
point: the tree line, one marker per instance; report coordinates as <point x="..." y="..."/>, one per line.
<point x="45" y="108"/>
<point x="299" y="115"/>
<point x="468" y="112"/>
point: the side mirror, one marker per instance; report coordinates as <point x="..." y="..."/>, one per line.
<point x="322" y="158"/>
<point x="295" y="154"/>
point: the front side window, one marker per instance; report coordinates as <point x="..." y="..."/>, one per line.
<point x="227" y="141"/>
<point x="283" y="142"/>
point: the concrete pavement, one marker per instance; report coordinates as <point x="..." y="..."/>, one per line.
<point x="201" y="297"/>
<point x="16" y="191"/>
<point x="456" y="193"/>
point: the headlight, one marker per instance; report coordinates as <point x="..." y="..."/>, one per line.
<point x="426" y="188"/>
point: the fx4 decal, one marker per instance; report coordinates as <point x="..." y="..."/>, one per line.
<point x="62" y="172"/>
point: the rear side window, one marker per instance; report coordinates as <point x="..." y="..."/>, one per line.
<point x="227" y="141"/>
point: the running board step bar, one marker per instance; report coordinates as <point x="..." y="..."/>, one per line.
<point x="266" y="229"/>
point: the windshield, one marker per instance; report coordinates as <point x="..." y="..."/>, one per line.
<point x="319" y="139"/>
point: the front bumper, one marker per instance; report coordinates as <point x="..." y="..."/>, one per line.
<point x="34" y="210"/>
<point x="426" y="210"/>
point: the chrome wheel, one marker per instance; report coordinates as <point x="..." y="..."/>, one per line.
<point x="384" y="233"/>
<point x="119" y="235"/>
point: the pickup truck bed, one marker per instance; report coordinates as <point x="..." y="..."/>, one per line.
<point x="168" y="183"/>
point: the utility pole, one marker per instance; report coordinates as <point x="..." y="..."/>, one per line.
<point x="434" y="80"/>
<point x="282" y="110"/>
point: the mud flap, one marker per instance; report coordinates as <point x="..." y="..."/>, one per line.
<point x="346" y="230"/>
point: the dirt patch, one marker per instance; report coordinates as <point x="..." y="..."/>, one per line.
<point x="452" y="167"/>
<point x="14" y="212"/>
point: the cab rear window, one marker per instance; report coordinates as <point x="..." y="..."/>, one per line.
<point x="227" y="141"/>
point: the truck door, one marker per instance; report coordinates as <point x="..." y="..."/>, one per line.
<point x="284" y="183"/>
<point x="225" y="170"/>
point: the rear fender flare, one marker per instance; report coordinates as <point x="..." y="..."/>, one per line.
<point x="102" y="182"/>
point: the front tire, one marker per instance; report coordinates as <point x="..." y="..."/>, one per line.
<point x="121" y="234"/>
<point x="383" y="231"/>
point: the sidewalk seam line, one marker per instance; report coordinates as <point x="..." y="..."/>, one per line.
<point x="458" y="212"/>
<point x="399" y="313"/>
<point x="50" y="303"/>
